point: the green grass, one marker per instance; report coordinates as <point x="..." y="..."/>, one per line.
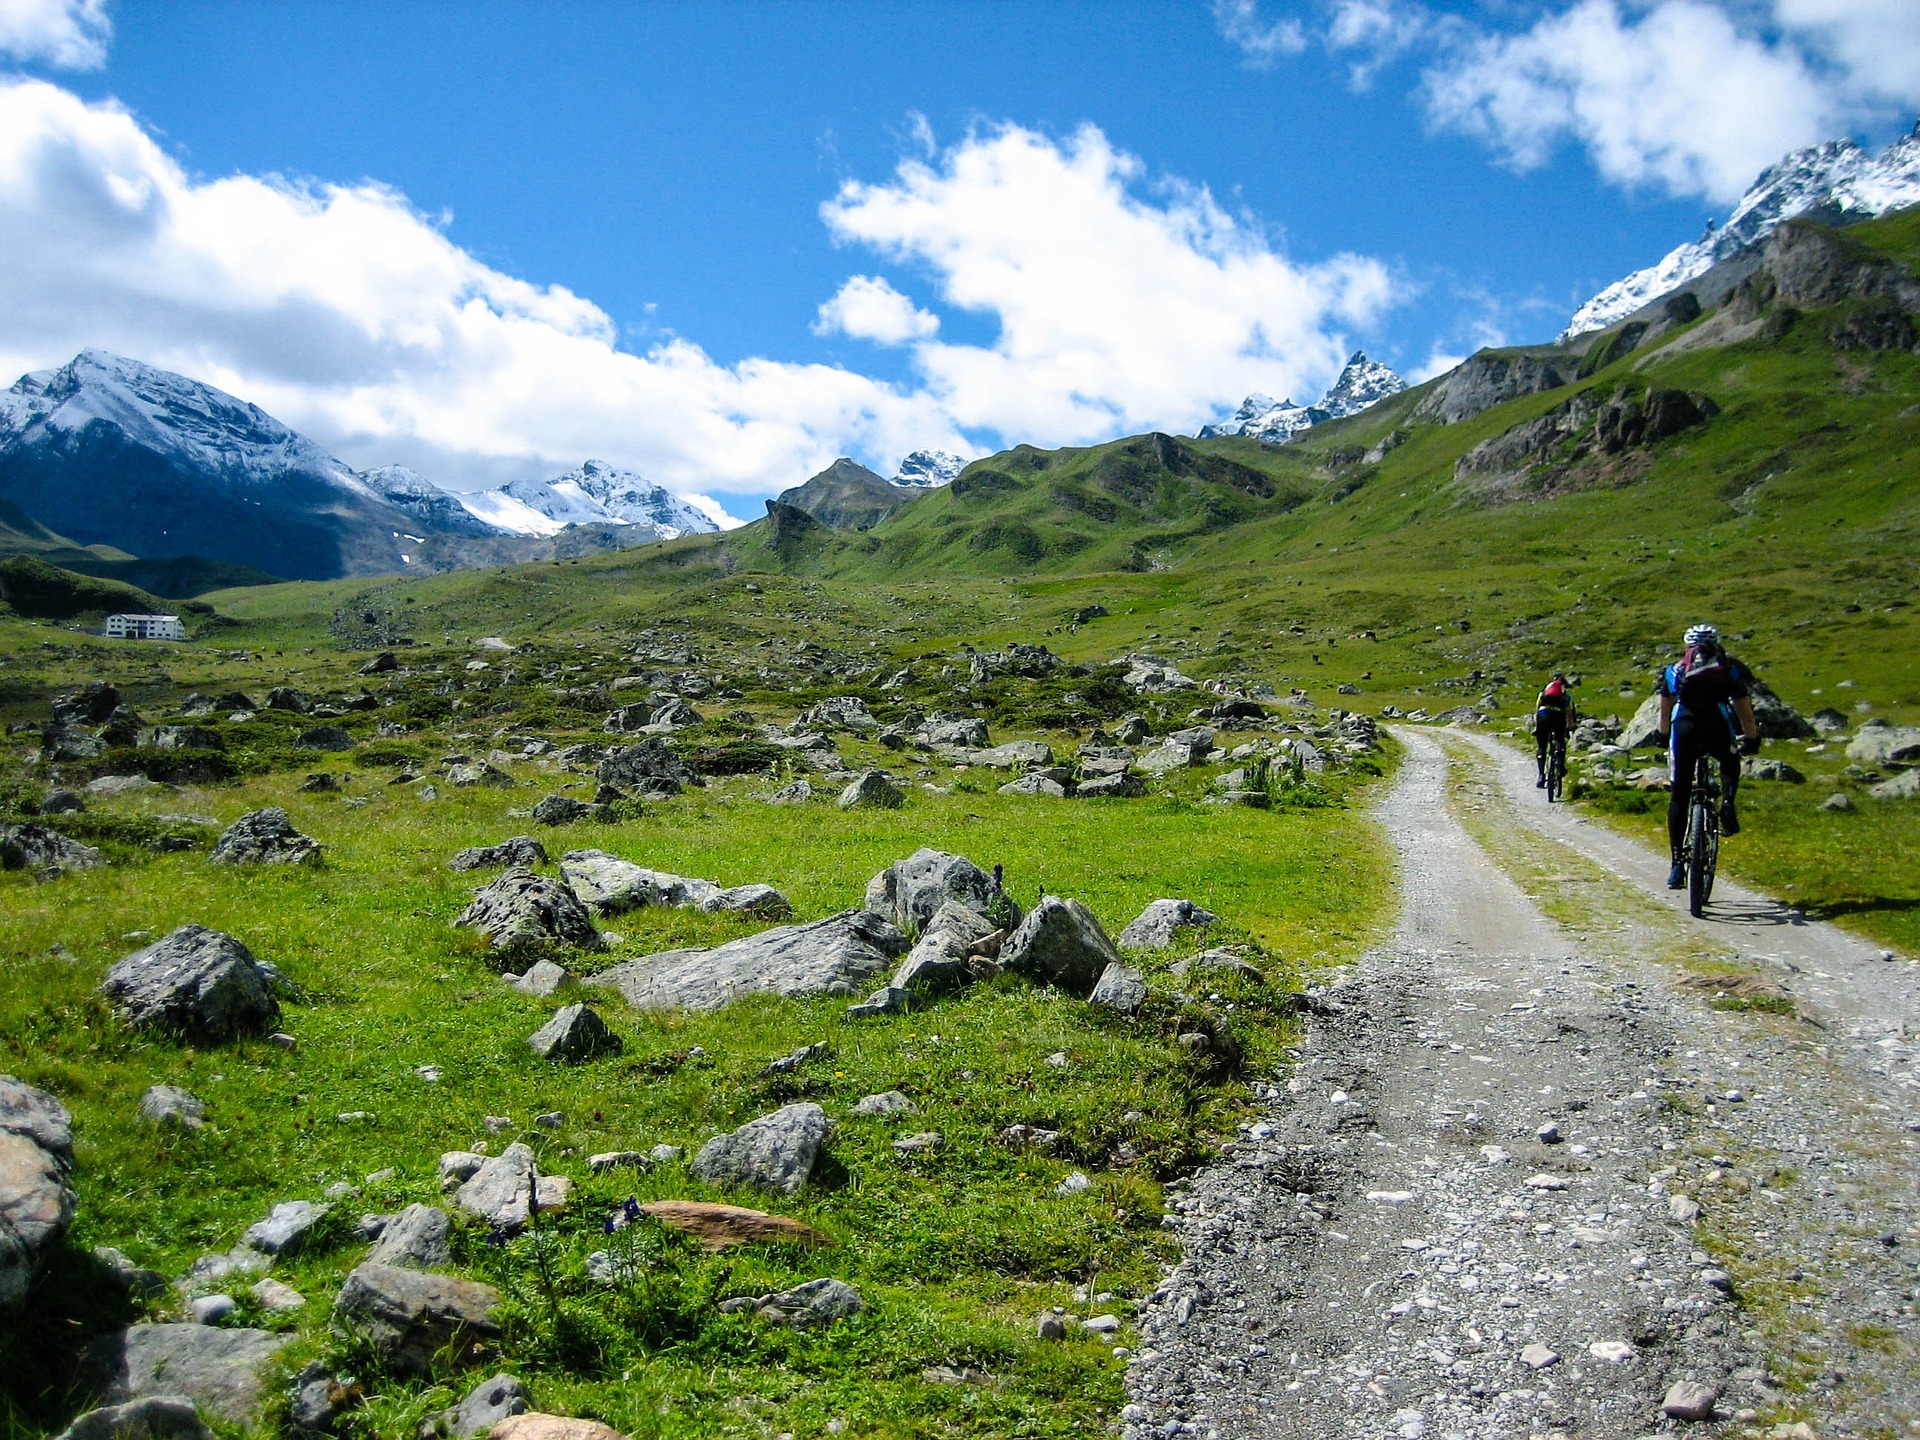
<point x="955" y="1251"/>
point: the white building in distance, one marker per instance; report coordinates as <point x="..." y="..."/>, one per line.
<point x="144" y="627"/>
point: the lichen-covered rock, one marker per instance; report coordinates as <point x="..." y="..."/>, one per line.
<point x="872" y="790"/>
<point x="411" y="1316"/>
<point x="909" y="891"/>
<point x="610" y="885"/>
<point x="1060" y="943"/>
<point x="221" y="1371"/>
<point x="197" y="983"/>
<point x="775" y="1152"/>
<point x="504" y="1188"/>
<point x="415" y="1239"/>
<point x="1120" y="988"/>
<point x="36" y="1185"/>
<point x="650" y="768"/>
<point x="834" y="956"/>
<point x="46" y="851"/>
<point x="574" y="1033"/>
<point x="1155" y="927"/>
<point x="264" y="837"/>
<point x="521" y="908"/>
<point x="518" y="850"/>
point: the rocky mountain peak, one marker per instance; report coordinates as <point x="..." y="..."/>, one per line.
<point x="928" y="470"/>
<point x="1362" y="382"/>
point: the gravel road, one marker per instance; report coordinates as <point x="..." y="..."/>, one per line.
<point x="1524" y="1182"/>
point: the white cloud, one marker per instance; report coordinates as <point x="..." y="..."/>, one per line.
<point x="1261" y="41"/>
<point x="65" y="34"/>
<point x="1116" y="312"/>
<point x="1873" y="44"/>
<point x="1122" y="304"/>
<point x="1676" y="96"/>
<point x="867" y="307"/>
<point x="1374" y="33"/>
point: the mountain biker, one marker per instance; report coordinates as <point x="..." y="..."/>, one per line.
<point x="1700" y="699"/>
<point x="1552" y="717"/>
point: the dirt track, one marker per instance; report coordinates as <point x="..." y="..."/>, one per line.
<point x="1471" y="1211"/>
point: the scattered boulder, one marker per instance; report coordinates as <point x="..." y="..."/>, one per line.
<point x="415" y="1239"/>
<point x="818" y="1302"/>
<point x="521" y="850"/>
<point x="1876" y="743"/>
<point x="1120" y="786"/>
<point x="721" y="1227"/>
<point x="220" y="1371"/>
<point x="157" y="1417"/>
<point x="92" y="704"/>
<point x="941" y="959"/>
<point x="1771" y="769"/>
<point x="833" y="956"/>
<point x="486" y="1405"/>
<point x="1035" y="785"/>
<point x="1120" y="988"/>
<point x="837" y="712"/>
<point x="1181" y="750"/>
<point x="797" y="792"/>
<point x="611" y="886"/>
<point x="1151" y="675"/>
<point x="888" y="1102"/>
<point x="1839" y="800"/>
<point x="411" y="1316"/>
<point x="479" y="772"/>
<point x="384" y="663"/>
<point x="196" y="982"/>
<point x="37" y="1198"/>
<point x="532" y="1425"/>
<point x="264" y="837"/>
<point x="504" y="1188"/>
<point x="285" y="697"/>
<point x="651" y="769"/>
<point x="1216" y="960"/>
<point x="522" y="908"/>
<point x="909" y="891"/>
<point x="45" y="851"/>
<point x="1013" y="755"/>
<point x="558" y="810"/>
<point x="275" y="1296"/>
<point x="326" y="737"/>
<point x="286" y="1229"/>
<point x="1060" y="943"/>
<point x="543" y="979"/>
<point x="1904" y="786"/>
<point x="940" y="730"/>
<point x="872" y="790"/>
<point x="1691" y="1400"/>
<point x="170" y="1105"/>
<point x="575" y="1033"/>
<point x="887" y="1000"/>
<point x="1155" y="927"/>
<point x="775" y="1152"/>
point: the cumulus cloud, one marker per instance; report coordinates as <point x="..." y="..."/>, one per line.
<point x="1694" y="97"/>
<point x="64" y="34"/>
<point x="1262" y="41"/>
<point x="1117" y="310"/>
<point x="1122" y="302"/>
<point x="867" y="307"/>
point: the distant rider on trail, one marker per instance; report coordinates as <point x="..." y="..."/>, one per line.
<point x="1552" y="718"/>
<point x="1700" y="699"/>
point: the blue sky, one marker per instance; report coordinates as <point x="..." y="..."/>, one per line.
<point x="723" y="243"/>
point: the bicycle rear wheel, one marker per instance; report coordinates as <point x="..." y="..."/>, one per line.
<point x="1556" y="772"/>
<point x="1703" y="841"/>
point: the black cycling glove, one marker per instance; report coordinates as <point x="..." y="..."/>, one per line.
<point x="1749" y="744"/>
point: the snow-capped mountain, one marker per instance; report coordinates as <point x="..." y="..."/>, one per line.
<point x="928" y="470"/>
<point x="595" y="494"/>
<point x="1362" y="382"/>
<point x="1837" y="182"/>
<point x="426" y="501"/>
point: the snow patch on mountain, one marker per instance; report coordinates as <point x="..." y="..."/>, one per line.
<point x="1362" y="382"/>
<point x="928" y="470"/>
<point x="1837" y="182"/>
<point x="595" y="494"/>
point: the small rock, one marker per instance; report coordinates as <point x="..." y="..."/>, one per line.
<point x="1548" y="1134"/>
<point x="721" y="1227"/>
<point x="665" y="1154"/>
<point x="211" y="1309"/>
<point x="887" y="1000"/>
<point x="170" y="1105"/>
<point x="410" y="1316"/>
<point x="775" y="1152"/>
<point x="286" y="1228"/>
<point x="888" y="1102"/>
<point x="575" y="1033"/>
<point x="1689" y="1400"/>
<point x="1683" y="1208"/>
<point x="532" y="1425"/>
<point x="872" y="790"/>
<point x="415" y="1239"/>
<point x="153" y="1417"/>
<point x="1546" y="1182"/>
<point x="1839" y="800"/>
<point x="617" y="1160"/>
<point x="817" y="1302"/>
<point x="918" y="1144"/>
<point x="1120" y="988"/>
<point x="486" y="1405"/>
<point x="264" y="837"/>
<point x="1075" y="1184"/>
<point x="519" y="850"/>
<point x="552" y="1120"/>
<point x="275" y="1296"/>
<point x="1611" y="1352"/>
<point x="1538" y="1357"/>
<point x="1050" y="1326"/>
<point x="1717" y="1279"/>
<point x="1156" y="926"/>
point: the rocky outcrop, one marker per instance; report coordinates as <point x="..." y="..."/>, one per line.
<point x="37" y="1198"/>
<point x="44" y="851"/>
<point x="610" y="886"/>
<point x="519" y="850"/>
<point x="219" y="1370"/>
<point x="1062" y="944"/>
<point x="909" y="891"/>
<point x="1484" y="381"/>
<point x="1568" y="448"/>
<point x="197" y="983"/>
<point x="651" y="769"/>
<point x="1155" y="927"/>
<point x="833" y="956"/>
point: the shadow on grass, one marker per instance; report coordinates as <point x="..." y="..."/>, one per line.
<point x="1861" y="905"/>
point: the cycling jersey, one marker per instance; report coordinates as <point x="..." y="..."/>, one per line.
<point x="1704" y="683"/>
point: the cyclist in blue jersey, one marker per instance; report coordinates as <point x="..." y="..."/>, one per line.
<point x="1701" y="699"/>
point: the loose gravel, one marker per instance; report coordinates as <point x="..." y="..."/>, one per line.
<point x="1518" y="1184"/>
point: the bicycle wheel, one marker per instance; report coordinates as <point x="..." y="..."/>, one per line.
<point x="1703" y="841"/>
<point x="1556" y="771"/>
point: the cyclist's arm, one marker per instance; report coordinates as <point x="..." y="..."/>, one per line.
<point x="1743" y="712"/>
<point x="1666" y="715"/>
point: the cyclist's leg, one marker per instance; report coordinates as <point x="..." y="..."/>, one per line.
<point x="1680" y="763"/>
<point x="1540" y="733"/>
<point x="1729" y="758"/>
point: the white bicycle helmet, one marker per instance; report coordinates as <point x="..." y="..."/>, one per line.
<point x="1702" y="634"/>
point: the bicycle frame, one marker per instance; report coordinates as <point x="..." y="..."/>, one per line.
<point x="1703" y="833"/>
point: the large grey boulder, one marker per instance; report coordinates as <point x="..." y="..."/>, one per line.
<point x="1881" y="744"/>
<point x="872" y="790"/>
<point x="521" y="908"/>
<point x="941" y="959"/>
<point x="909" y="891"/>
<point x="519" y="850"/>
<point x="574" y="1033"/>
<point x="1778" y="720"/>
<point x="503" y="1190"/>
<point x="834" y="956"/>
<point x="415" y="1239"/>
<point x="837" y="712"/>
<point x="158" y="1417"/>
<point x="264" y="837"/>
<point x="1061" y="944"/>
<point x="609" y="886"/>
<point x="1155" y="926"/>
<point x="1119" y="786"/>
<point x="197" y="983"/>
<point x="288" y="1226"/>
<point x="1013" y="755"/>
<point x="45" y="851"/>
<point x="1152" y="675"/>
<point x="1179" y="751"/>
<point x="1904" y="786"/>
<point x="219" y="1370"/>
<point x="411" y="1316"/>
<point x="940" y="729"/>
<point x="1641" y="730"/>
<point x="776" y="1152"/>
<point x="36" y="1185"/>
<point x="1035" y="784"/>
<point x="652" y="768"/>
<point x="1120" y="988"/>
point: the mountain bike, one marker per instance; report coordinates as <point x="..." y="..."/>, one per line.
<point x="1703" y="834"/>
<point x="1556" y="767"/>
